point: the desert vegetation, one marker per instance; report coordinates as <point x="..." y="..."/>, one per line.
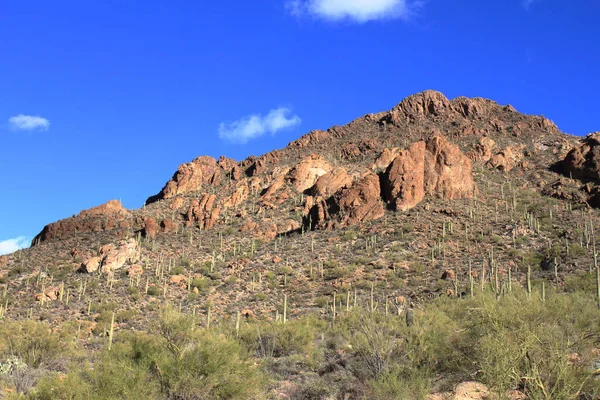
<point x="543" y="344"/>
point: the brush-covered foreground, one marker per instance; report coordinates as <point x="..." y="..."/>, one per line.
<point x="543" y="345"/>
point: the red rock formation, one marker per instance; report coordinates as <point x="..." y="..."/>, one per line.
<point x="405" y="183"/>
<point x="240" y="195"/>
<point x="304" y="175"/>
<point x="448" y="172"/>
<point x="190" y="177"/>
<point x="151" y="227"/>
<point x="435" y="168"/>
<point x="115" y="257"/>
<point x="583" y="161"/>
<point x="507" y="159"/>
<point x="385" y="159"/>
<point x="331" y="182"/>
<point x="359" y="203"/>
<point x="204" y="212"/>
<point x="105" y="217"/>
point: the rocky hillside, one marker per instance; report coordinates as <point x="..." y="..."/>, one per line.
<point x="392" y="200"/>
<point x="425" y="200"/>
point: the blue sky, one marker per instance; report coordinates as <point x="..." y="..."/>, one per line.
<point x="104" y="99"/>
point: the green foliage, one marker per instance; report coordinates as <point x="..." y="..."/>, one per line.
<point x="34" y="343"/>
<point x="269" y="340"/>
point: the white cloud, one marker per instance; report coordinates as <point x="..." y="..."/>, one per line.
<point x="356" y="10"/>
<point x="254" y="126"/>
<point x="28" y="123"/>
<point x="12" y="245"/>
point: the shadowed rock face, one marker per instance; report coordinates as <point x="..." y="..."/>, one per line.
<point x="358" y="203"/>
<point x="583" y="162"/>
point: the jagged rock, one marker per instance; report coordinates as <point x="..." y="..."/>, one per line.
<point x="331" y="182"/>
<point x="583" y="161"/>
<point x="350" y="151"/>
<point x="449" y="275"/>
<point x="204" y="212"/>
<point x="405" y="178"/>
<point x="91" y="265"/>
<point x="50" y="294"/>
<point x="189" y="178"/>
<point x="483" y="150"/>
<point x="272" y="190"/>
<point x="385" y="158"/>
<point x="176" y="204"/>
<point x="256" y="167"/>
<point x="3" y="261"/>
<point x="151" y="227"/>
<point x="105" y="217"/>
<point x="471" y="107"/>
<point x="311" y="139"/>
<point x="238" y="197"/>
<point x="507" y="159"/>
<point x="359" y="203"/>
<point x="304" y="175"/>
<point x="420" y="105"/>
<point x="435" y="168"/>
<point x="230" y="167"/>
<point x="115" y="257"/>
<point x="168" y="226"/>
<point x="448" y="172"/>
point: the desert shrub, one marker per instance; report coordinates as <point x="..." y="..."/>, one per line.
<point x="173" y="362"/>
<point x="202" y="284"/>
<point x="268" y="340"/>
<point x="35" y="343"/>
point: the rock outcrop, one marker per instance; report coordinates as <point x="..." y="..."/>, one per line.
<point x="192" y="177"/>
<point x="204" y="212"/>
<point x="404" y="184"/>
<point x="304" y="175"/>
<point x="448" y="172"/>
<point x="112" y="257"/>
<point x="583" y="162"/>
<point x="358" y="203"/>
<point x="328" y="184"/>
<point x="434" y="167"/>
<point x="106" y="217"/>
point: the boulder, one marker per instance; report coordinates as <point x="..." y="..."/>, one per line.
<point x="167" y="226"/>
<point x="135" y="270"/>
<point x="91" y="265"/>
<point x="115" y="257"/>
<point x="304" y="175"/>
<point x="328" y="184"/>
<point x="507" y="159"/>
<point x="240" y="195"/>
<point x="151" y="227"/>
<point x="385" y="158"/>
